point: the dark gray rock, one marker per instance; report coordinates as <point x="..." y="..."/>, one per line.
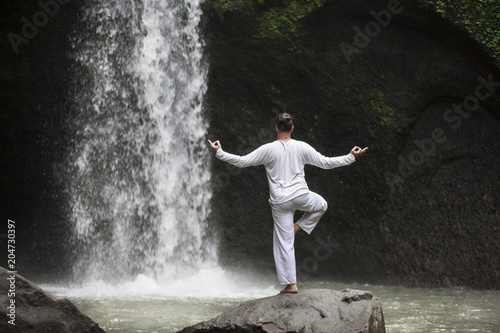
<point x="37" y="311"/>
<point x="309" y="311"/>
<point x="419" y="209"/>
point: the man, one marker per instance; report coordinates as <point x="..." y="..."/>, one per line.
<point x="284" y="160"/>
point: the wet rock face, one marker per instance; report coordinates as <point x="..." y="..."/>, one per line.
<point x="309" y="311"/>
<point x="421" y="207"/>
<point x="27" y="308"/>
<point x="35" y="62"/>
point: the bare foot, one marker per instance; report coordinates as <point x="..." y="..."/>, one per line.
<point x="290" y="288"/>
<point x="296" y="228"/>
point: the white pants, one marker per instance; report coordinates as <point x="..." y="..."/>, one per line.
<point x="314" y="207"/>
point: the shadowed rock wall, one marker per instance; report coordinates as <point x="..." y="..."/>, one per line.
<point x="421" y="208"/>
<point x="35" y="85"/>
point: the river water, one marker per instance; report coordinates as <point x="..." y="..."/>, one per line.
<point x="143" y="305"/>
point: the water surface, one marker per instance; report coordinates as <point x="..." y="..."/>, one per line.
<point x="143" y="305"/>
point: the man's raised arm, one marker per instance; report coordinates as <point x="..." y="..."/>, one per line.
<point x="320" y="161"/>
<point x="254" y="158"/>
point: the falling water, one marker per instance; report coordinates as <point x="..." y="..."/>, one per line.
<point x="138" y="183"/>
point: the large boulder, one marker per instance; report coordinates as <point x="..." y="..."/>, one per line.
<point x="34" y="310"/>
<point x="311" y="310"/>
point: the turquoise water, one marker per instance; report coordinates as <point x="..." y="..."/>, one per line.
<point x="144" y="306"/>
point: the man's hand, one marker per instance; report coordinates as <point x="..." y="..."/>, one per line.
<point x="357" y="151"/>
<point x="215" y="145"/>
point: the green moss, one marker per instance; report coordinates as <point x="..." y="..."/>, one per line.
<point x="311" y="133"/>
<point x="281" y="21"/>
<point x="246" y="112"/>
<point x="480" y="18"/>
<point x="275" y="90"/>
<point x="265" y="135"/>
<point x="384" y="111"/>
<point x="276" y="19"/>
<point x="274" y="95"/>
<point x="237" y="5"/>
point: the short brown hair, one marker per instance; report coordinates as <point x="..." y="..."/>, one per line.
<point x="284" y="121"/>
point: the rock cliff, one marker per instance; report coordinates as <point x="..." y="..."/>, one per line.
<point x="421" y="208"/>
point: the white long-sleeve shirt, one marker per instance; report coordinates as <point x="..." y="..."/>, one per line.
<point x="284" y="161"/>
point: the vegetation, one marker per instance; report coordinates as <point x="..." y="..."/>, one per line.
<point x="281" y="21"/>
<point x="480" y="18"/>
<point x="279" y="18"/>
<point x="384" y="111"/>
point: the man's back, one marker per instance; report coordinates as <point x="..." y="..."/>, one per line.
<point x="284" y="161"/>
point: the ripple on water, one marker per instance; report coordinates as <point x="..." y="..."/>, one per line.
<point x="405" y="309"/>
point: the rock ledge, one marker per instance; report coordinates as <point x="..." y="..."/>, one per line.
<point x="309" y="311"/>
<point x="37" y="311"/>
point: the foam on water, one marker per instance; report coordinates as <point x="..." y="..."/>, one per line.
<point x="206" y="284"/>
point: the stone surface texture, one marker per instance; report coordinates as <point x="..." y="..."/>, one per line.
<point x="36" y="311"/>
<point x="309" y="311"/>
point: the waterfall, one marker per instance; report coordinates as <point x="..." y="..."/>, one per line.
<point x="138" y="176"/>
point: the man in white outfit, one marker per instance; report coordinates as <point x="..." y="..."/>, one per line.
<point x="284" y="160"/>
